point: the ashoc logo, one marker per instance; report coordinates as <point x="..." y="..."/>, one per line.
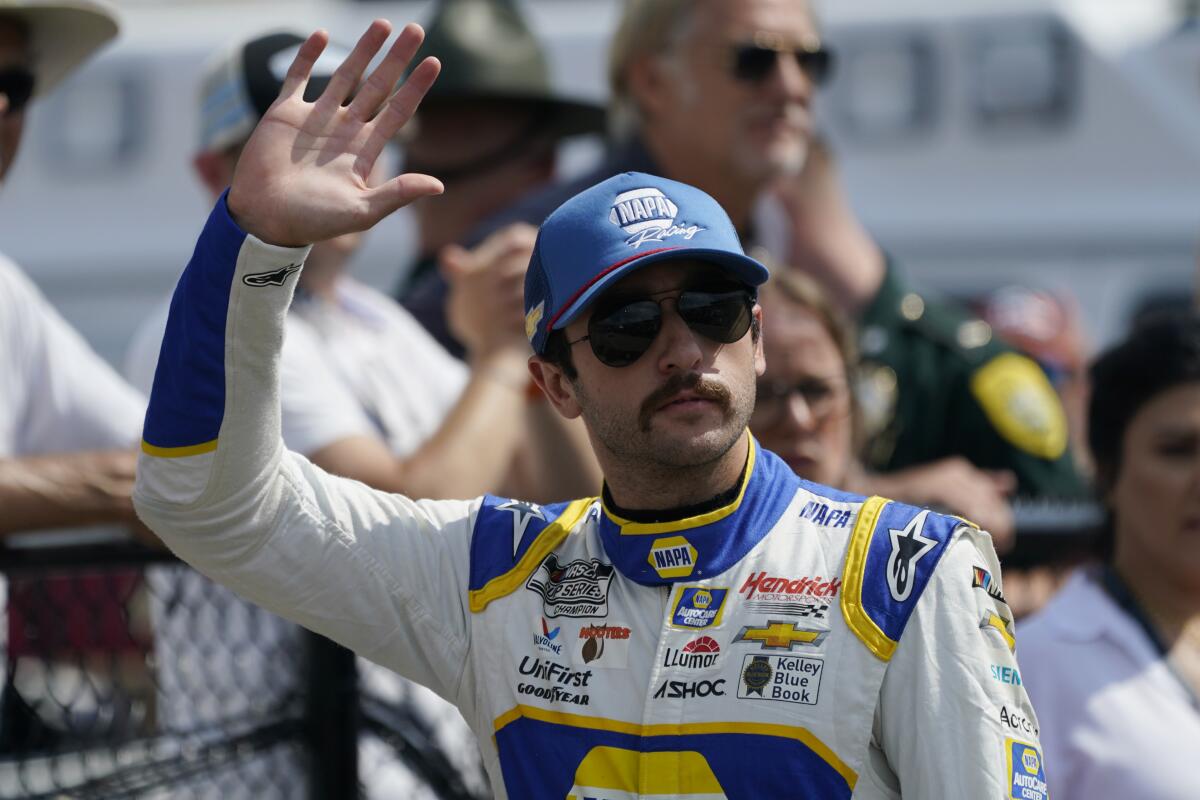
<point x="686" y="690"/>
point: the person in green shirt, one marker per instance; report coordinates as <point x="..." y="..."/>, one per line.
<point x="936" y="385"/>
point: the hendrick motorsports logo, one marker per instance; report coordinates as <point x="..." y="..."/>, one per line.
<point x="648" y="215"/>
<point x="579" y="589"/>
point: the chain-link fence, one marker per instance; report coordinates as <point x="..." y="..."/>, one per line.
<point x="129" y="675"/>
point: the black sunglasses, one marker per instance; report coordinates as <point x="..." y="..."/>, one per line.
<point x="622" y="331"/>
<point x="16" y="83"/>
<point x="753" y="62"/>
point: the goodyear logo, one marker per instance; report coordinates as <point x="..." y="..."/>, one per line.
<point x="673" y="557"/>
<point x="698" y="607"/>
<point x="1027" y="777"/>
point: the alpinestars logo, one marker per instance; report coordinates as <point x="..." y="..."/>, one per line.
<point x="908" y="547"/>
<point x="648" y="215"/>
<point x="275" y="277"/>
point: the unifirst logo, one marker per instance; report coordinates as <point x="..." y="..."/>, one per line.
<point x="648" y="215"/>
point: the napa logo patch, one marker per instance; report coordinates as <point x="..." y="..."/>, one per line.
<point x="648" y="215"/>
<point x="698" y="607"/>
<point x="1026" y="773"/>
<point x="672" y="557"/>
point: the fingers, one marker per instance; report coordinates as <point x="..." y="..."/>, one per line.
<point x="297" y="74"/>
<point x="400" y="108"/>
<point x="346" y="77"/>
<point x="1004" y="481"/>
<point x="399" y="192"/>
<point x="380" y="84"/>
<point x="453" y="262"/>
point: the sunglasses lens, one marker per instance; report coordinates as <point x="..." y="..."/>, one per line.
<point x="752" y="63"/>
<point x="621" y="336"/>
<point x="721" y="316"/>
<point x="815" y="63"/>
<point x="16" y="84"/>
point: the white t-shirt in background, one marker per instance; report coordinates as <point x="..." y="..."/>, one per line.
<point x="56" y="394"/>
<point x="1116" y="722"/>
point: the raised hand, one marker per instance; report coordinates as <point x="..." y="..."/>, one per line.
<point x="303" y="175"/>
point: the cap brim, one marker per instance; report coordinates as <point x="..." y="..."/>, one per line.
<point x="737" y="266"/>
<point x="63" y="35"/>
<point x="566" y="117"/>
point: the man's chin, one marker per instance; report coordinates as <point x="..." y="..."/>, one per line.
<point x="693" y="449"/>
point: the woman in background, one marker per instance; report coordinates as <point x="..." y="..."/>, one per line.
<point x="1112" y="664"/>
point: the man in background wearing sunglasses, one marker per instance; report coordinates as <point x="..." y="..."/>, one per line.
<point x="710" y="626"/>
<point x="718" y="94"/>
<point x="713" y="93"/>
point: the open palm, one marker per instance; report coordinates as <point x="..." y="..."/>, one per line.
<point x="303" y="175"/>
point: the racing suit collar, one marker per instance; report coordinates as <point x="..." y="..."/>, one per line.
<point x="702" y="545"/>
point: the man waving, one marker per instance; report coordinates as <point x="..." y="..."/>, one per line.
<point x="711" y="626"/>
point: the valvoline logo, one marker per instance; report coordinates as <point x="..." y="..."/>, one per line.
<point x="648" y="215"/>
<point x="547" y="641"/>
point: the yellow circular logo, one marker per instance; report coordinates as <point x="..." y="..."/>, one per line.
<point x="702" y="599"/>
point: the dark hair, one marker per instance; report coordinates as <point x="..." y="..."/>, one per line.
<point x="1159" y="354"/>
<point x="558" y="353"/>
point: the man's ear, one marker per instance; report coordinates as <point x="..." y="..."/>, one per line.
<point x="213" y="171"/>
<point x="649" y="84"/>
<point x="556" y="386"/>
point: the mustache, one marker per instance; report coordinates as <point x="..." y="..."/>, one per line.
<point x="681" y="382"/>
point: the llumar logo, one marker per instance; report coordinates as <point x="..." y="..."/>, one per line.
<point x="275" y="277"/>
<point x="578" y="589"/>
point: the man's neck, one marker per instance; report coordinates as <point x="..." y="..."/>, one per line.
<point x="736" y="195"/>
<point x="1171" y="608"/>
<point x="645" y="486"/>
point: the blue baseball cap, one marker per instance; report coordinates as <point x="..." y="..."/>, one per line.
<point x="624" y="223"/>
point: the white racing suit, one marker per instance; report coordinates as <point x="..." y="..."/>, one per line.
<point x="798" y="642"/>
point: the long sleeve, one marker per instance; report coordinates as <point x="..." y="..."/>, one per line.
<point x="954" y="719"/>
<point x="382" y="574"/>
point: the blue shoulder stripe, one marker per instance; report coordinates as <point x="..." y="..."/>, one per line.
<point x="511" y="538"/>
<point x="893" y="552"/>
<point x="187" y="401"/>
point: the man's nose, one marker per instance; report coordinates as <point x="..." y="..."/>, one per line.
<point x="680" y="346"/>
<point x="791" y="80"/>
<point x="798" y="414"/>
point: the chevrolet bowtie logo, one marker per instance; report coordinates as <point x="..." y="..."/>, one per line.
<point x="780" y="636"/>
<point x="1001" y="625"/>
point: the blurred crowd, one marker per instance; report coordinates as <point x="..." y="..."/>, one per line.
<point x="874" y="384"/>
